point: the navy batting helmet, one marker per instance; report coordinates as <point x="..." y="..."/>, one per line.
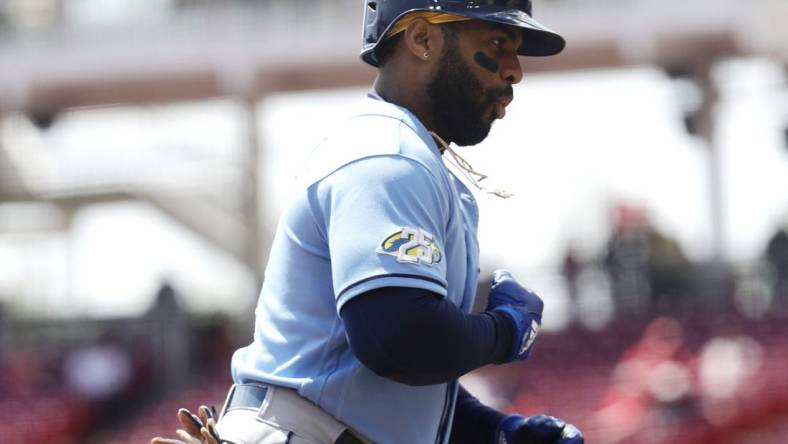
<point x="380" y="15"/>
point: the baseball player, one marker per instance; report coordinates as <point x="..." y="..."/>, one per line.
<point x="363" y="324"/>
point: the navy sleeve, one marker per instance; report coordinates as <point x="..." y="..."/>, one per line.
<point x="417" y="337"/>
<point x="474" y="422"/>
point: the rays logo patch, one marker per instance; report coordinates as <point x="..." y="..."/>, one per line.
<point x="412" y="246"/>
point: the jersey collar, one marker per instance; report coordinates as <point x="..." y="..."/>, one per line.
<point x="374" y="104"/>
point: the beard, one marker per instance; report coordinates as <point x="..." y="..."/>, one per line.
<point x="459" y="101"/>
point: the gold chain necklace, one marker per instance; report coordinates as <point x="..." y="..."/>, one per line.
<point x="467" y="170"/>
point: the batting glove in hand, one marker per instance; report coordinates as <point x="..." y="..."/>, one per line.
<point x="196" y="429"/>
<point x="540" y="429"/>
<point x="522" y="306"/>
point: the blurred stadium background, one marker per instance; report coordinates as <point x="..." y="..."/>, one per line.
<point x="147" y="147"/>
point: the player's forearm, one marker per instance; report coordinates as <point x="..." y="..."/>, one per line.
<point x="419" y="338"/>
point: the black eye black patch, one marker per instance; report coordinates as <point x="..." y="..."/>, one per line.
<point x="486" y="62"/>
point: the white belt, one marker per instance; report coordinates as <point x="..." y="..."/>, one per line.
<point x="286" y="409"/>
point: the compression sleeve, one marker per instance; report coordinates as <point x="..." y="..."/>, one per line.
<point x="416" y="337"/>
<point x="474" y="422"/>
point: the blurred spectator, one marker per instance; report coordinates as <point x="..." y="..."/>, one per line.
<point x="777" y="257"/>
<point x="170" y="336"/>
<point x="652" y="385"/>
<point x="101" y="374"/>
<point x="627" y="259"/>
<point x="647" y="269"/>
<point x="570" y="270"/>
<point x="728" y="368"/>
<point x="5" y="328"/>
<point x="212" y="345"/>
<point x="668" y="273"/>
<point x="99" y="371"/>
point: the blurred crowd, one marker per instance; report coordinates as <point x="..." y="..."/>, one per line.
<point x="647" y="272"/>
<point x="70" y="381"/>
<point x="705" y="378"/>
<point x="660" y="384"/>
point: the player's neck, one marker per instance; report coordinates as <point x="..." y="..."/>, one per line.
<point x="408" y="95"/>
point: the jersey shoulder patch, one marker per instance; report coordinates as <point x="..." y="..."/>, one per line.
<point x="413" y="246"/>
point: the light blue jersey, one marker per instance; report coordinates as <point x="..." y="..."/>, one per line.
<point x="376" y="207"/>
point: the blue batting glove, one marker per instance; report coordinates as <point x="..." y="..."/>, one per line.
<point x="539" y="429"/>
<point x="522" y="306"/>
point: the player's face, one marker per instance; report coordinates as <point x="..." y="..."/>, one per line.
<point x="473" y="84"/>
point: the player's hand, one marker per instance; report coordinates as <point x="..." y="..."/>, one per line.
<point x="524" y="308"/>
<point x="539" y="429"/>
<point x="196" y="429"/>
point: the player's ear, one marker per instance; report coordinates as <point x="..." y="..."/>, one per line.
<point x="423" y="39"/>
